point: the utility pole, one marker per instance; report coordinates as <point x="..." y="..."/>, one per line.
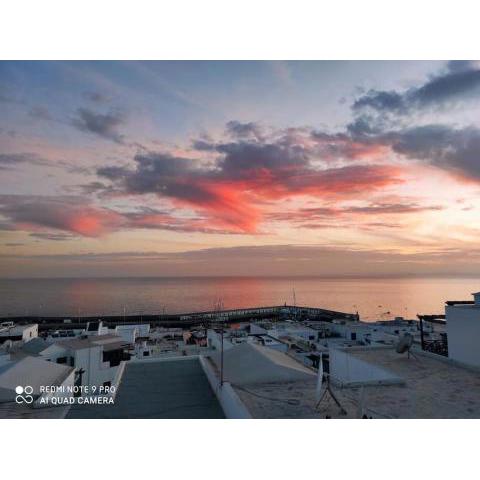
<point x="221" y="358"/>
<point x="219" y="307"/>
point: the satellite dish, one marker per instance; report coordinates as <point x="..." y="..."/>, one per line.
<point x="405" y="343"/>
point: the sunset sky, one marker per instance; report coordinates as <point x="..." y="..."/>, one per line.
<point x="239" y="168"/>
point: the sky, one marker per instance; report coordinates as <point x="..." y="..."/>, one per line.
<point x="239" y="168"/>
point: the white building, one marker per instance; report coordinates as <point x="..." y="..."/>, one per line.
<point x="132" y="333"/>
<point x="96" y="359"/>
<point x="17" y="333"/>
<point x="35" y="373"/>
<point x="463" y="331"/>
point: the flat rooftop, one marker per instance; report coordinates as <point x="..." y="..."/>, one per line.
<point x="15" y="330"/>
<point x="433" y="388"/>
<point x="158" y="389"/>
<point x="108" y="341"/>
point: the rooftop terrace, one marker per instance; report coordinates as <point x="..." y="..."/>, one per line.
<point x="158" y="389"/>
<point x="432" y="387"/>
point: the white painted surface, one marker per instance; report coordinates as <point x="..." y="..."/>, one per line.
<point x="463" y="333"/>
<point x="230" y="402"/>
<point x="345" y="369"/>
<point x="214" y="340"/>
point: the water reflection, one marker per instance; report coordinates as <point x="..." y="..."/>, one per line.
<point x="373" y="298"/>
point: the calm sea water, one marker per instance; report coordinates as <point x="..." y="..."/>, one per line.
<point x="373" y="298"/>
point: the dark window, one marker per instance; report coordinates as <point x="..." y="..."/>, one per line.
<point x="353" y="336"/>
<point x="93" y="326"/>
<point x="146" y="353"/>
<point x="62" y="360"/>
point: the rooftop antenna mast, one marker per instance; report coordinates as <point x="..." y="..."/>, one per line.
<point x="218" y="308"/>
<point x="324" y="388"/>
<point x="294" y="304"/>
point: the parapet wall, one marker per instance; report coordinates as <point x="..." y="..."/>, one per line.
<point x="231" y="404"/>
<point x="348" y="370"/>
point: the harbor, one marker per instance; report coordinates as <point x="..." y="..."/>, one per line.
<point x="188" y="319"/>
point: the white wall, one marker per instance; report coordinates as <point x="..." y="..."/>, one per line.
<point x="347" y="369"/>
<point x="97" y="372"/>
<point x="214" y="340"/>
<point x="30" y="332"/>
<point x="45" y="398"/>
<point x="463" y="333"/>
<point x="230" y="402"/>
<point x="257" y="330"/>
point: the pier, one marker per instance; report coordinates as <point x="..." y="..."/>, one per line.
<point x="190" y="319"/>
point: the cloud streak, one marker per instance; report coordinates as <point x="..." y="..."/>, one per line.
<point x="460" y="81"/>
<point x="104" y="125"/>
<point x="287" y="260"/>
<point x="61" y="218"/>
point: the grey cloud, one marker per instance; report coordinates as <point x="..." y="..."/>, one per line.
<point x="246" y="157"/>
<point x="96" y="97"/>
<point x="392" y="208"/>
<point x="244" y="130"/>
<point x="57" y="237"/>
<point x="203" y="146"/>
<point x="104" y="125"/>
<point x="382" y="100"/>
<point x="13" y="159"/>
<point x="461" y="80"/>
<point x="40" y="113"/>
<point x="446" y="147"/>
<point x="112" y="172"/>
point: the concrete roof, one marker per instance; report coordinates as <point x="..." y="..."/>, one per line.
<point x="15" y="330"/>
<point x="249" y="363"/>
<point x="109" y="342"/>
<point x="31" y="371"/>
<point x="35" y="345"/>
<point x="158" y="389"/>
<point x="434" y="387"/>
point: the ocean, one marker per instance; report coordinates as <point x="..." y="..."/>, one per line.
<point x="373" y="298"/>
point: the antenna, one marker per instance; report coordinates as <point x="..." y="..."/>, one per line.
<point x="218" y="308"/>
<point x="294" y="304"/>
<point x="324" y="388"/>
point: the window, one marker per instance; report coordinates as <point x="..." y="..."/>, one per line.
<point x="146" y="353"/>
